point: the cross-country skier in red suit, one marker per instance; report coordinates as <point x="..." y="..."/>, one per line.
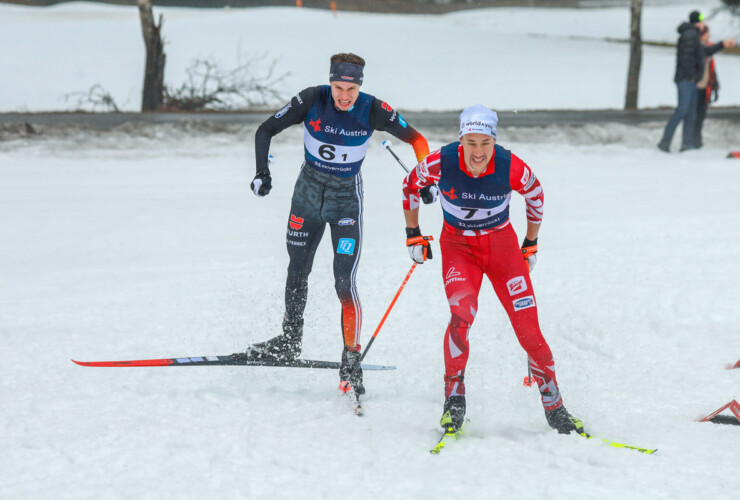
<point x="338" y="121"/>
<point x="476" y="177"/>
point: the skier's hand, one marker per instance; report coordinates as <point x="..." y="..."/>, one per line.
<point x="429" y="194"/>
<point x="262" y="183"/>
<point x="418" y="245"/>
<point x="529" y="252"/>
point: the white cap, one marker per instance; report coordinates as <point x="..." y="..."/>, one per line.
<point x="478" y="119"/>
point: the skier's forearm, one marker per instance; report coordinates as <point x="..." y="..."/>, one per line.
<point x="262" y="140"/>
<point x="533" y="230"/>
<point x="412" y="217"/>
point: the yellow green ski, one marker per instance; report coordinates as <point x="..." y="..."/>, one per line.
<point x="450" y="433"/>
<point x="614" y="444"/>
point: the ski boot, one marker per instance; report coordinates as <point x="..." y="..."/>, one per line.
<point x="562" y="421"/>
<point x="285" y="347"/>
<point x="454" y="414"/>
<point x="350" y="359"/>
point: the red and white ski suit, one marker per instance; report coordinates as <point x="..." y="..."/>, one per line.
<point x="478" y="239"/>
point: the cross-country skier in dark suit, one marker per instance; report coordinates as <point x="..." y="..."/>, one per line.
<point x="338" y="121"/>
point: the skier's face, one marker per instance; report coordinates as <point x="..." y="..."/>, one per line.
<point x="344" y="95"/>
<point x="477" y="152"/>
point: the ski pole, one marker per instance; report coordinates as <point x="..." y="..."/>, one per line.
<point x="430" y="193"/>
<point x="345" y="386"/>
<point x="387" y="145"/>
<point x="528" y="380"/>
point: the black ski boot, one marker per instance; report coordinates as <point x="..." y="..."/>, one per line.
<point x="562" y="421"/>
<point x="285" y="347"/>
<point x="350" y="359"/>
<point x="454" y="414"/>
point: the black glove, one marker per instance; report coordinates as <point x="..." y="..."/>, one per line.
<point x="429" y="194"/>
<point x="529" y="252"/>
<point x="419" y="247"/>
<point x="262" y="183"/>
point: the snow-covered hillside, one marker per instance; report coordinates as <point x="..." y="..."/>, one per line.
<point x="508" y="58"/>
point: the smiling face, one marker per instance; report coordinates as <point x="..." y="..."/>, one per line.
<point x="477" y="152"/>
<point x="344" y="94"/>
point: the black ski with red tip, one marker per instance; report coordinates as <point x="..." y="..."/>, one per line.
<point x="236" y="359"/>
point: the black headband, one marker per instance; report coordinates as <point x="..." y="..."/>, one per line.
<point x="345" y="72"/>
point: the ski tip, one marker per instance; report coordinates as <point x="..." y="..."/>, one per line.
<point x="614" y="444"/>
<point x="89" y="363"/>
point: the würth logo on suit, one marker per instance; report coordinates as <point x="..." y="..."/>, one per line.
<point x="296" y="222"/>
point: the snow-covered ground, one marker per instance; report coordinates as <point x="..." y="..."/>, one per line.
<point x="148" y="243"/>
<point x="508" y="58"/>
<point x="126" y="247"/>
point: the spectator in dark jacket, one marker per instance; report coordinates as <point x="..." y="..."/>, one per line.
<point x="689" y="70"/>
<point x="708" y="84"/>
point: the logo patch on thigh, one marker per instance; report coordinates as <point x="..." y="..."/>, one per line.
<point x="524" y="303"/>
<point x="452" y="275"/>
<point x="346" y="246"/>
<point x="516" y="285"/>
<point x="296" y="222"/>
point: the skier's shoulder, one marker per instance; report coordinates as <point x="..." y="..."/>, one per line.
<point x="307" y="97"/>
<point x="502" y="152"/>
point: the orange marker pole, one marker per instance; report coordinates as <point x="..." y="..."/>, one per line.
<point x="334" y="8"/>
<point x="299" y="3"/>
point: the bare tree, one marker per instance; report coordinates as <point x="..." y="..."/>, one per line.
<point x="633" y="74"/>
<point x="153" y="93"/>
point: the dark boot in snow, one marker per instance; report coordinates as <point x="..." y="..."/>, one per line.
<point x="563" y="421"/>
<point x="454" y="414"/>
<point x="285" y="347"/>
<point x="351" y="359"/>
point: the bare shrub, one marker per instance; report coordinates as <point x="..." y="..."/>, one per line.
<point x="252" y="84"/>
<point x="95" y="99"/>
